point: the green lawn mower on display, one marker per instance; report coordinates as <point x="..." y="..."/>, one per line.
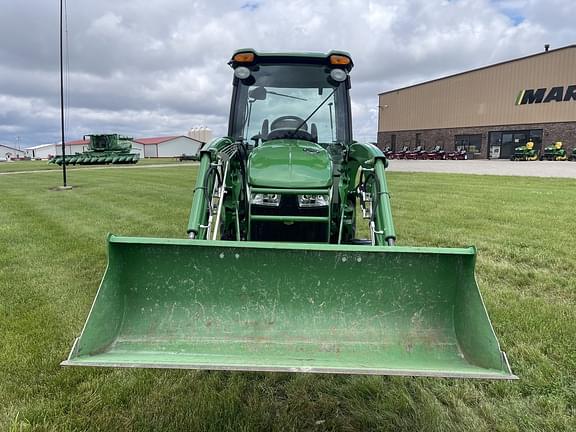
<point x="273" y="275"/>
<point x="525" y="153"/>
<point x="555" y="152"/>
<point x="103" y="149"/>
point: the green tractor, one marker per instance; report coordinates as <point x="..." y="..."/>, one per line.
<point x="555" y="152"/>
<point x="525" y="153"/>
<point x="103" y="149"/>
<point x="273" y="274"/>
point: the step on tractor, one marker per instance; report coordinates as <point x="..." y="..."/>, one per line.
<point x="274" y="274"/>
<point x="555" y="152"/>
<point x="103" y="149"/>
<point x="525" y="152"/>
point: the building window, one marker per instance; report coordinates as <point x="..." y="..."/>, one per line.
<point x="393" y="142"/>
<point x="470" y="143"/>
<point x="503" y="143"/>
<point x="494" y="145"/>
<point x="418" y="139"/>
<point x="536" y="137"/>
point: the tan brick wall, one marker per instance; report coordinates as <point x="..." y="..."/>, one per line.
<point x="551" y="132"/>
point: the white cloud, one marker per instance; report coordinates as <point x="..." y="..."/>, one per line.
<point x="159" y="66"/>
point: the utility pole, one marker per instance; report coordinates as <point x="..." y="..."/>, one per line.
<point x="331" y="121"/>
<point x="65" y="186"/>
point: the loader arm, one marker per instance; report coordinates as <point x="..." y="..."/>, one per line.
<point x="204" y="185"/>
<point x="367" y="163"/>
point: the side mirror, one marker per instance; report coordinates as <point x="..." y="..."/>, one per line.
<point x="258" y="93"/>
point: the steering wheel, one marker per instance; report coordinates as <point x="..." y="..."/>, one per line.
<point x="284" y="127"/>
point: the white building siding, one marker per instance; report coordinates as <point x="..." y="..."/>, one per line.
<point x="10" y="153"/>
<point x="138" y="148"/>
<point x="42" y="151"/>
<point x="151" y="150"/>
<point x="45" y="151"/>
<point x="72" y="149"/>
<point x="173" y="148"/>
<point x="179" y="146"/>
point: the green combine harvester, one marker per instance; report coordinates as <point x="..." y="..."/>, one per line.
<point x="103" y="149"/>
<point x="272" y="275"/>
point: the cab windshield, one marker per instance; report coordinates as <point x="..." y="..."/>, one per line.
<point x="290" y="101"/>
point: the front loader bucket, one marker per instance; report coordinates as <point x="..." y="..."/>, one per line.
<point x="171" y="303"/>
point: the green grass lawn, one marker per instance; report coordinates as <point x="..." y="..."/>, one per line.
<point x="52" y="257"/>
<point x="42" y="165"/>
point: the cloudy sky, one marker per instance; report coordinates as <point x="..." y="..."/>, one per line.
<point x="155" y="67"/>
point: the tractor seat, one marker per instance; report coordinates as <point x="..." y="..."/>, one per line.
<point x="314" y="132"/>
<point x="285" y="127"/>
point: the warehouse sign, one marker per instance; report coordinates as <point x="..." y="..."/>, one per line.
<point x="543" y="95"/>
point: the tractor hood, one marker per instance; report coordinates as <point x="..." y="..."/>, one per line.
<point x="289" y="163"/>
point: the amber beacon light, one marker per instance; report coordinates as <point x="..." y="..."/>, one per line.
<point x="339" y="60"/>
<point x="246" y="57"/>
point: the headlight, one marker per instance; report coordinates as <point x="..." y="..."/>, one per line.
<point x="242" y="72"/>
<point x="338" y="75"/>
<point x="272" y="200"/>
<point x="312" y="200"/>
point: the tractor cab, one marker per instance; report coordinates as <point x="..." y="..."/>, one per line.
<point x="292" y="111"/>
<point x="108" y="142"/>
<point x="291" y="96"/>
